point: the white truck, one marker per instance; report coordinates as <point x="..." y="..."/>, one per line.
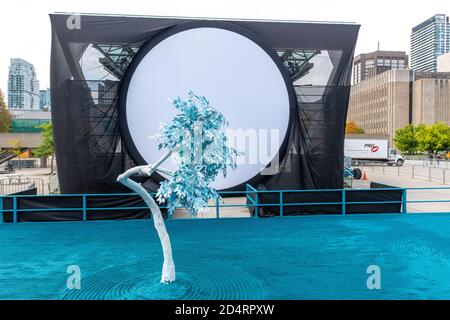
<point x="365" y="149"/>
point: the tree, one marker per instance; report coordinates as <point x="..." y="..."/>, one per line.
<point x="47" y="148"/>
<point x="196" y="138"/>
<point x="16" y="145"/>
<point x="405" y="139"/>
<point x="352" y="128"/>
<point x="16" y="148"/>
<point x="433" y="138"/>
<point x="5" y="116"/>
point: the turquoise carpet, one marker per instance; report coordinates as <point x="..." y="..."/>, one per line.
<point x="321" y="257"/>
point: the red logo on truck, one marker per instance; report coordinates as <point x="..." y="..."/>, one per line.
<point x="373" y="147"/>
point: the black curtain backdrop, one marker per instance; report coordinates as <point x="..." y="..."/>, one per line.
<point x="90" y="151"/>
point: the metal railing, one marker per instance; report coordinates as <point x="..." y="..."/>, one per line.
<point x="24" y="163"/>
<point x="344" y="203"/>
<point x="427" y="162"/>
<point x="53" y="184"/>
<point x="252" y="196"/>
<point x="19" y="183"/>
<point x="438" y="174"/>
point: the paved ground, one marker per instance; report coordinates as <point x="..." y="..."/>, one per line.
<point x="394" y="176"/>
<point x="390" y="177"/>
<point x="417" y="172"/>
<point x="18" y="181"/>
<point x="385" y="175"/>
<point x="434" y="163"/>
<point x="21" y="179"/>
<point x="230" y="208"/>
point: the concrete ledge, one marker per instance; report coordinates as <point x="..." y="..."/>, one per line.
<point x="225" y="212"/>
<point x="25" y="140"/>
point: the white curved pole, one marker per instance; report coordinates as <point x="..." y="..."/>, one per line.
<point x="168" y="269"/>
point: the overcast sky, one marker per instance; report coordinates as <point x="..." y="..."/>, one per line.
<point x="25" y="26"/>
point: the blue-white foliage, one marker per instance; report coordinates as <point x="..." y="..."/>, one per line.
<point x="196" y="136"/>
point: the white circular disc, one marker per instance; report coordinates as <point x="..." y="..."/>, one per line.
<point x="236" y="75"/>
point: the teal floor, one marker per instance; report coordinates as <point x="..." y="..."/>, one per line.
<point x="321" y="257"/>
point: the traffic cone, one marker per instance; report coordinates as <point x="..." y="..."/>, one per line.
<point x="364" y="177"/>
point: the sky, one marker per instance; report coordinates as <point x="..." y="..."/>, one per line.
<point x="25" y="26"/>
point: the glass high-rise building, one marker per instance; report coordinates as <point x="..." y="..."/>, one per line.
<point x="429" y="40"/>
<point x="45" y="101"/>
<point x="23" y="86"/>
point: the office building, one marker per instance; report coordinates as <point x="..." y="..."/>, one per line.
<point x="44" y="99"/>
<point x="431" y="98"/>
<point x="368" y="65"/>
<point x="396" y="98"/>
<point x="381" y="104"/>
<point x="443" y="63"/>
<point x="23" y="86"/>
<point x="29" y="121"/>
<point x="429" y="40"/>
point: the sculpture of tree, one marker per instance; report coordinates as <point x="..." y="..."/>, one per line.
<point x="200" y="148"/>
